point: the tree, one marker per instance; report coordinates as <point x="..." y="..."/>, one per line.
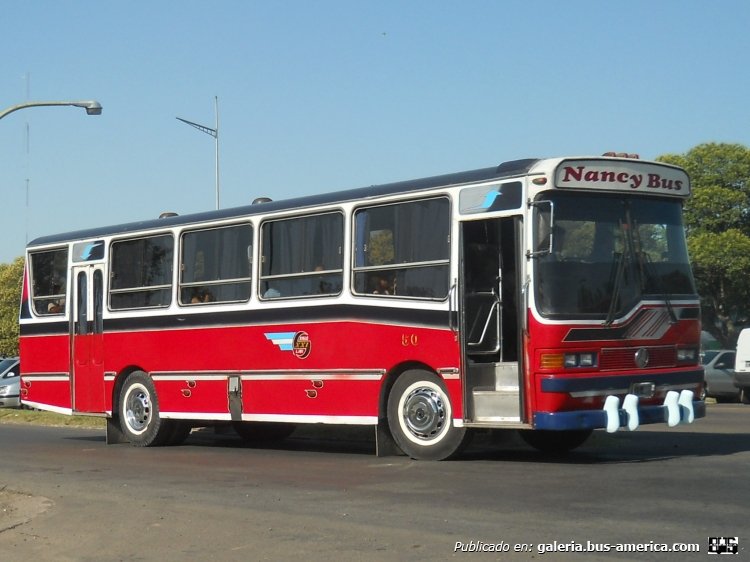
<point x="717" y="221"/>
<point x="11" y="278"/>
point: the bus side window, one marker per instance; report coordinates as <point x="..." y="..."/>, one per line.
<point x="215" y="265"/>
<point x="48" y="281"/>
<point x="302" y="256"/>
<point x="403" y="249"/>
<point x="141" y="272"/>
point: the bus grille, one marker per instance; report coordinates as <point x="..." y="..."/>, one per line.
<point x="624" y="358"/>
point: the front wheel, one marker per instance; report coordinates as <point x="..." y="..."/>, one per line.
<point x="555" y="442"/>
<point x="139" y="413"/>
<point x="420" y="417"/>
<point x="704" y="392"/>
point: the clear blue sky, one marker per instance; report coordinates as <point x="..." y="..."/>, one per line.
<point x="317" y="96"/>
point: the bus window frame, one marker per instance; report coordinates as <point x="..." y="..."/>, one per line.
<point x="448" y="262"/>
<point x="111" y="272"/>
<point x="180" y="265"/>
<point x="304" y="274"/>
<point x="63" y="296"/>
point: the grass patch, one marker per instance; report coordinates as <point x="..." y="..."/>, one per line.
<point x="37" y="417"/>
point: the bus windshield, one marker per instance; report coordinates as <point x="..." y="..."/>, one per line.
<point x="608" y="253"/>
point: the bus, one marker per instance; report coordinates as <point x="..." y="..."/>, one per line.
<point x="550" y="296"/>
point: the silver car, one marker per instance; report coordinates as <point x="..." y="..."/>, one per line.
<point x="10" y="383"/>
<point x="719" y="367"/>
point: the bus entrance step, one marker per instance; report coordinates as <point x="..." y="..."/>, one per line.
<point x="499" y="404"/>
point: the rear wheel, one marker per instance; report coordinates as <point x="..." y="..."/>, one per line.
<point x="745" y="395"/>
<point x="555" y="442"/>
<point x="420" y="417"/>
<point x="139" y="413"/>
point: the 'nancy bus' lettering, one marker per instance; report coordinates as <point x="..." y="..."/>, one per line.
<point x="634" y="181"/>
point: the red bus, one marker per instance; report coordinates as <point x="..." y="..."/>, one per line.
<point x="549" y="296"/>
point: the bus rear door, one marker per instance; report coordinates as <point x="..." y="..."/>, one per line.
<point x="86" y="332"/>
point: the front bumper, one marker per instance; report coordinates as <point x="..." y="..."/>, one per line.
<point x="677" y="408"/>
<point x="10" y="401"/>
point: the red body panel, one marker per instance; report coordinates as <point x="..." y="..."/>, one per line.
<point x="341" y="376"/>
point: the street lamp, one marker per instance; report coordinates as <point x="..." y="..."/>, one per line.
<point x="215" y="134"/>
<point x="92" y="107"/>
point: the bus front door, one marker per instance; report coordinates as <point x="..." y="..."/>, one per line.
<point x="86" y="332"/>
<point x="489" y="297"/>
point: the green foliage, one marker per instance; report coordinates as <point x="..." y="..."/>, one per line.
<point x="11" y="278"/>
<point x="717" y="219"/>
<point x="381" y="247"/>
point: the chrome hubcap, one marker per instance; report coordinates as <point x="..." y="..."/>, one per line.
<point x="424" y="413"/>
<point x="138" y="409"/>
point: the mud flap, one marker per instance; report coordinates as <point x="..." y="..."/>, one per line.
<point x="234" y="388"/>
<point x="114" y="432"/>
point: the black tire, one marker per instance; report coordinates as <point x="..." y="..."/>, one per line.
<point x="420" y="417"/>
<point x="704" y="392"/>
<point x="555" y="442"/>
<point x="138" y="409"/>
<point x="745" y="395"/>
<point x="263" y="432"/>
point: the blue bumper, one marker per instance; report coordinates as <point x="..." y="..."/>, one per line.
<point x="600" y="419"/>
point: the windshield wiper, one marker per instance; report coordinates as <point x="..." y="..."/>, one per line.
<point x="648" y="265"/>
<point x="619" y="274"/>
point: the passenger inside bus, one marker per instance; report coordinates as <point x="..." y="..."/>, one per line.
<point x="56" y="306"/>
<point x="202" y="295"/>
<point x="382" y="286"/>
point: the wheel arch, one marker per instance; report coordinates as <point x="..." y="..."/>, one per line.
<point x="120" y="379"/>
<point x="390" y="379"/>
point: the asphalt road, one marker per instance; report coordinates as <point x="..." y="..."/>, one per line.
<point x="66" y="496"/>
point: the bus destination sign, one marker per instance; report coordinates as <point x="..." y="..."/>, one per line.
<point x="622" y="176"/>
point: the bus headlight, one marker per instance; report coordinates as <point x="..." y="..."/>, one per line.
<point x="687" y="355"/>
<point x="586" y="359"/>
<point x="577" y="360"/>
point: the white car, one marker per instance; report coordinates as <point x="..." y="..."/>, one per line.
<point x="10" y="383"/>
<point x="742" y="366"/>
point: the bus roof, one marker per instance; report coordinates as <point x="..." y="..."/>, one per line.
<point x="504" y="170"/>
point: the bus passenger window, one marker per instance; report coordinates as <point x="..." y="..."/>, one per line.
<point x="403" y="249"/>
<point x="48" y="281"/>
<point x="215" y="265"/>
<point x="302" y="256"/>
<point x="141" y="272"/>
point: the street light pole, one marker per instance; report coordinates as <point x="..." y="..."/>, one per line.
<point x="215" y="134"/>
<point x="92" y="107"/>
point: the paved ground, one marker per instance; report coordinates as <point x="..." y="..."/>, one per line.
<point x="320" y="498"/>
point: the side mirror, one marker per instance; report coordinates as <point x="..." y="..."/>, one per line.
<point x="544" y="222"/>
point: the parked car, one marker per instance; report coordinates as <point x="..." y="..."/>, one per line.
<point x="10" y="383"/>
<point x="719" y="378"/>
<point x="742" y="366"/>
